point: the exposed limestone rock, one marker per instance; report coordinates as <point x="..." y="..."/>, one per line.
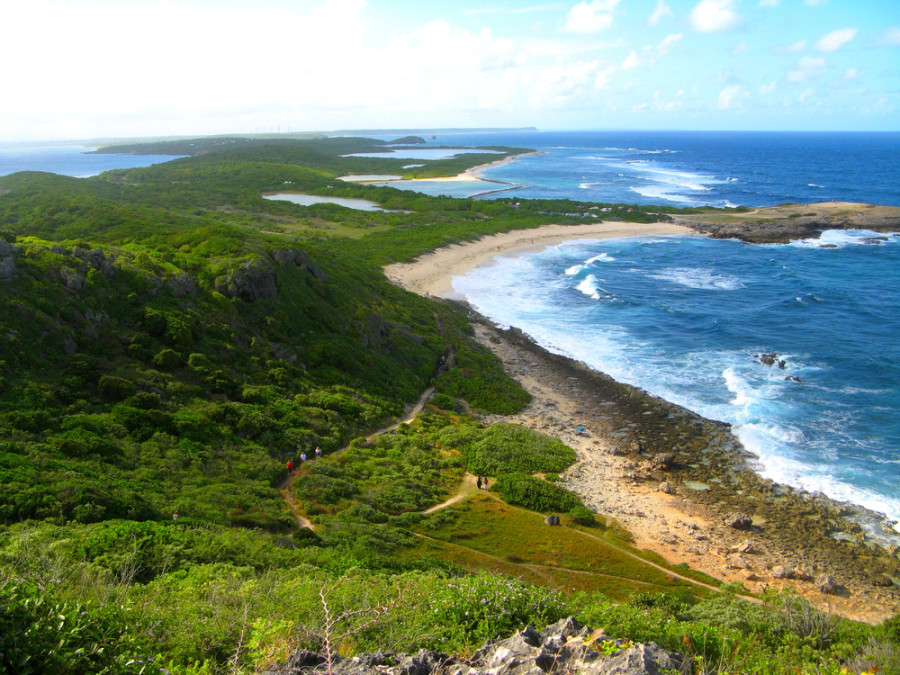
<point x="72" y="279"/>
<point x="783" y="572"/>
<point x="181" y="285"/>
<point x="252" y="281"/>
<point x="8" y="254"/>
<point x="95" y="258"/>
<point x="745" y="546"/>
<point x="665" y="487"/>
<point x="551" y="520"/>
<point x="565" y="647"/>
<point x="286" y="257"/>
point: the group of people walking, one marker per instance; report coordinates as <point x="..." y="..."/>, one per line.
<point x="290" y="465"/>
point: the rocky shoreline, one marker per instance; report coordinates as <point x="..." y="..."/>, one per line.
<point x="686" y="489"/>
<point x="790" y="222"/>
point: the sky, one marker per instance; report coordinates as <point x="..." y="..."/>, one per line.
<point x="134" y="68"/>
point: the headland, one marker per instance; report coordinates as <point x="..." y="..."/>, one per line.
<point x="681" y="484"/>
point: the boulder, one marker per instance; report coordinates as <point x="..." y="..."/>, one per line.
<point x="783" y="572"/>
<point x="7" y="260"/>
<point x="664" y="461"/>
<point x="739" y="521"/>
<point x="665" y="487"/>
<point x="826" y="583"/>
<point x="882" y="580"/>
<point x="552" y="520"/>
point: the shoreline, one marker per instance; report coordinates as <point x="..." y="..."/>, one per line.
<point x="640" y="458"/>
<point x="472" y="174"/>
<point x="432" y="274"/>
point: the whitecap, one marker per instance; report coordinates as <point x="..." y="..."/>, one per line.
<point x="603" y="257"/>
<point x="573" y="270"/>
<point x="589" y="287"/>
<point x="699" y="278"/>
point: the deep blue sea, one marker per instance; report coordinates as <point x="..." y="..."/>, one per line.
<point x="685" y="317"/>
<point x="689" y="168"/>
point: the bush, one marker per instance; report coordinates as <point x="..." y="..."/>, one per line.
<point x="114" y="388"/>
<point x="167" y="359"/>
<point x="536" y="494"/>
<point x="583" y="516"/>
<point x="478" y="608"/>
<point x="40" y="635"/>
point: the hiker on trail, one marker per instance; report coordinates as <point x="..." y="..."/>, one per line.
<point x="478" y="482"/>
<point x="290" y="466"/>
<point x="318" y="452"/>
<point x="175" y="516"/>
<point x="303" y="457"/>
<point x="484" y="484"/>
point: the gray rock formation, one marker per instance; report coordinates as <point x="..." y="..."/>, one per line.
<point x="8" y="254"/>
<point x="566" y="647"/>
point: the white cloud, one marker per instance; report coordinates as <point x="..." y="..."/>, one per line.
<point x="852" y="74"/>
<point x="728" y="97"/>
<point x="712" y="16"/>
<point x="768" y="88"/>
<point x="740" y="48"/>
<point x="798" y="46"/>
<point x="667" y="42"/>
<point x="891" y="36"/>
<point x="807" y="68"/>
<point x="835" y="39"/>
<point x="591" y="17"/>
<point x="661" y="11"/>
<point x="631" y="61"/>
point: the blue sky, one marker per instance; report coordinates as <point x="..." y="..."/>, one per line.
<point x="103" y="68"/>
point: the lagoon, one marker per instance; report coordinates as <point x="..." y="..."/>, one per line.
<point x="310" y="200"/>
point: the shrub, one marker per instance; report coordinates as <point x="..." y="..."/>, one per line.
<point x="582" y="515"/>
<point x="473" y="609"/>
<point x="536" y="494"/>
<point x="167" y="359"/>
<point x="114" y="388"/>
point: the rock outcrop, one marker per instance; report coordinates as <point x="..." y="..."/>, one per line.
<point x="565" y="647"/>
<point x="255" y="280"/>
<point x="7" y="260"/>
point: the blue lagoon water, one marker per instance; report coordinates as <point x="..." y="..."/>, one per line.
<point x="68" y="160"/>
<point x="685" y="317"/>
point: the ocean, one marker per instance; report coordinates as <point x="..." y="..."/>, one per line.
<point x="68" y="160"/>
<point x="687" y="318"/>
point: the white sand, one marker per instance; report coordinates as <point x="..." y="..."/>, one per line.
<point x="432" y="274"/>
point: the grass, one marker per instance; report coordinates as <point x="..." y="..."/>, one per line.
<point x="486" y="534"/>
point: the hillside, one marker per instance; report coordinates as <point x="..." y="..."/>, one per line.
<point x="169" y="339"/>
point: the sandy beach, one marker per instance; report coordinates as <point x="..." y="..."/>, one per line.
<point x="626" y="432"/>
<point x="432" y="274"/>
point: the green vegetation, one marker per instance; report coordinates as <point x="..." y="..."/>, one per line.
<point x="169" y="339"/>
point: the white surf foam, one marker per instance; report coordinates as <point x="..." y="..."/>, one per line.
<point x="603" y="257"/>
<point x="699" y="278"/>
<point x="843" y="238"/>
<point x="589" y="287"/>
